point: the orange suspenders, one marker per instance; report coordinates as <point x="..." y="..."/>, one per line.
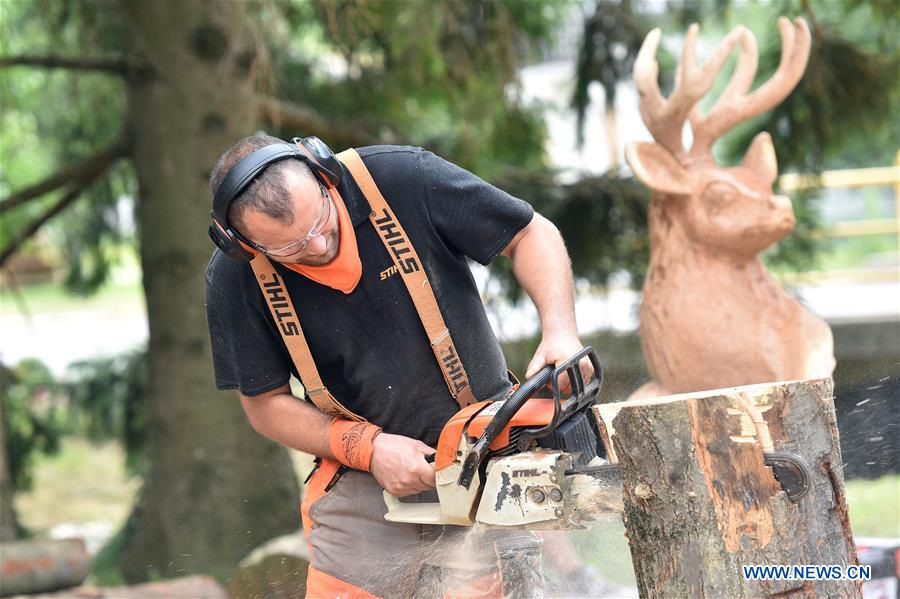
<point x="411" y="270"/>
<point x="282" y="308"/>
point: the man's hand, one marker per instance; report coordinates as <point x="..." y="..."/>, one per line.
<point x="555" y="350"/>
<point x="398" y="464"/>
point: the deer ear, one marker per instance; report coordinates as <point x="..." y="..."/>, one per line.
<point x="760" y="158"/>
<point x="657" y="168"/>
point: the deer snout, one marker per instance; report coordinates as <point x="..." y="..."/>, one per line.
<point x="782" y="210"/>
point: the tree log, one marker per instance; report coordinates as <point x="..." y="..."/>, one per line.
<point x="35" y="566"/>
<point x="189" y="587"/>
<point x="700" y="501"/>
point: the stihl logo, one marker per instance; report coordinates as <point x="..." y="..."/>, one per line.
<point x="397" y="242"/>
<point x="388" y="272"/>
<point x="524" y="473"/>
<point x="277" y="298"/>
<point x="454" y="370"/>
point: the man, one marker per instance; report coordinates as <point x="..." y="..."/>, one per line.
<point x="369" y="345"/>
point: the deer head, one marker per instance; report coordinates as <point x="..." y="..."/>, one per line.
<point x="727" y="209"/>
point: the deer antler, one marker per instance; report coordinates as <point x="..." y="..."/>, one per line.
<point x="734" y="105"/>
<point x="665" y="117"/>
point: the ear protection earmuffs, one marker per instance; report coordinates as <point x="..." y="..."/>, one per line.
<point x="311" y="150"/>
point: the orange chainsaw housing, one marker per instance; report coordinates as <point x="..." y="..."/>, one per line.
<point x="472" y="421"/>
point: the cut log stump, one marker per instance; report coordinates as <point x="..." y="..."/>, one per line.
<point x="701" y="502"/>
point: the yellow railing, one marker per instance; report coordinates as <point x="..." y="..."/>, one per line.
<point x="851" y="178"/>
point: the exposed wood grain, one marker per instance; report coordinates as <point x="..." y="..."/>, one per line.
<point x="700" y="501"/>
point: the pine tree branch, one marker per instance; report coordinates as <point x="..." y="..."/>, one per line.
<point x="88" y="168"/>
<point x="817" y="28"/>
<point x="117" y="67"/>
<point x="32" y="228"/>
<point x="306" y="121"/>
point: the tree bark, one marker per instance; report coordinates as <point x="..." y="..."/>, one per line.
<point x="215" y="489"/>
<point x="700" y="501"/>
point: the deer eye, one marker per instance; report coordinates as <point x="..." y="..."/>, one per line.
<point x="719" y="195"/>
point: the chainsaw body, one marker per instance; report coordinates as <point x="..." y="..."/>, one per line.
<point x="524" y="462"/>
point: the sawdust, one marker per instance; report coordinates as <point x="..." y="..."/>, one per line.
<point x="595" y="498"/>
<point x="460" y="561"/>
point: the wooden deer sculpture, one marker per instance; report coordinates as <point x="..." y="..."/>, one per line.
<point x="712" y="316"/>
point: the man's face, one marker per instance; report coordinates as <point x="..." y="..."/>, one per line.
<point x="311" y="211"/>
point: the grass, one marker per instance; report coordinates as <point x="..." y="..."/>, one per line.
<point x="52" y="297"/>
<point x="875" y="507"/>
<point x="605" y="547"/>
<point x="87" y="482"/>
<point x="84" y="482"/>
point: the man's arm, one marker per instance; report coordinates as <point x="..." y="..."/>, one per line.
<point x="541" y="265"/>
<point x="397" y="462"/>
<point x="280" y="416"/>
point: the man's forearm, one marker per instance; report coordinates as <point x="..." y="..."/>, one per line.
<point x="396" y="462"/>
<point x="541" y="265"/>
<point x="289" y="421"/>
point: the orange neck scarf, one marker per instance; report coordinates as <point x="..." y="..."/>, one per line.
<point x="344" y="271"/>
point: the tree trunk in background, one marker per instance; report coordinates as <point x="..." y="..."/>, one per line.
<point x="700" y="502"/>
<point x="215" y="489"/>
<point x="8" y="527"/>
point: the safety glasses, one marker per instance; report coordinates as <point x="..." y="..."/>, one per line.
<point x="297" y="247"/>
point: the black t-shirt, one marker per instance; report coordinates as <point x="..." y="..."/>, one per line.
<point x="369" y="346"/>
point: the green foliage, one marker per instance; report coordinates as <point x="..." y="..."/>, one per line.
<point x="103" y="399"/>
<point x="611" y="39"/>
<point x="602" y="219"/>
<point x="97" y="232"/>
<point x="798" y="252"/>
<point x="105" y="567"/>
<point x="842" y="113"/>
<point x="32" y="416"/>
<point x="443" y="75"/>
<point x="51" y="118"/>
<point x="440" y="75"/>
<point x="108" y="401"/>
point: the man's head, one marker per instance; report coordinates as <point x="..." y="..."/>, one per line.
<point x="283" y="205"/>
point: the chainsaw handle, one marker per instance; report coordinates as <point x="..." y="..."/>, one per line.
<point x="499" y="422"/>
<point x="581" y="393"/>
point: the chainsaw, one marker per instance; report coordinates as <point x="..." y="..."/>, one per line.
<point x="523" y="462"/>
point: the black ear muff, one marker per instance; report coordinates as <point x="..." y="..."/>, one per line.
<point x="330" y="167"/>
<point x="226" y="241"/>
